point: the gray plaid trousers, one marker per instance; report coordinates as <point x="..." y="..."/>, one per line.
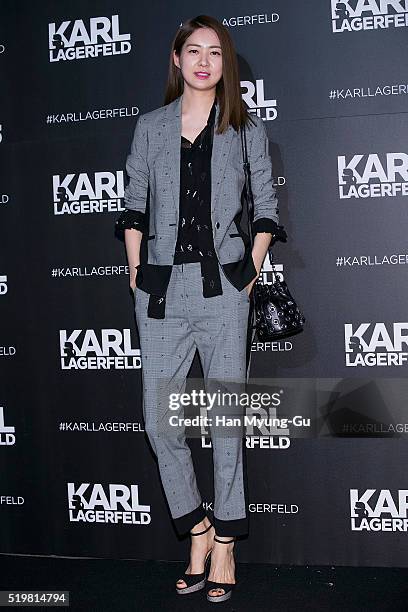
<point x="217" y="327"/>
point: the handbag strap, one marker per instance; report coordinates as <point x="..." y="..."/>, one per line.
<point x="248" y="191"/>
<point x="249" y="195"/>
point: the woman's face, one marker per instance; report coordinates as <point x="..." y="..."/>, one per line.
<point x="200" y="59"/>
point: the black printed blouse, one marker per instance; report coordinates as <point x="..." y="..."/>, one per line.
<point x="195" y="237"/>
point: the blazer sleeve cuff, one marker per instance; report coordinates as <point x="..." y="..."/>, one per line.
<point x="264" y="224"/>
<point x="131" y="219"/>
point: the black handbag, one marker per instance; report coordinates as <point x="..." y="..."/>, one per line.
<point x="274" y="313"/>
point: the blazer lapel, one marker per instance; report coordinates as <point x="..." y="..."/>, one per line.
<point x="172" y="146"/>
<point x="219" y="157"/>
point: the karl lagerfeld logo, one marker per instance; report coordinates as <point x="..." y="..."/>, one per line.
<point x="262" y="427"/>
<point x="7" y="432"/>
<point x="372" y="175"/>
<point x="379" y="510"/>
<point x="83" y="193"/>
<point x="376" y="344"/>
<point x="86" y="349"/>
<point x="254" y="97"/>
<point x="72" y="40"/>
<point x="268" y="275"/>
<point x="116" y="503"/>
<point x="355" y="15"/>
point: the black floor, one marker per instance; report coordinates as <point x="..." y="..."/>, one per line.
<point x="102" y="585"/>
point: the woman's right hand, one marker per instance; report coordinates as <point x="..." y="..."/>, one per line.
<point x="132" y="282"/>
<point x="132" y="240"/>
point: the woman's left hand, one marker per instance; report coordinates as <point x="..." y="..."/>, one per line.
<point x="258" y="271"/>
<point x="258" y="255"/>
<point x="248" y="288"/>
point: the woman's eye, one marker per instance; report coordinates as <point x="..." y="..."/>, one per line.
<point x="196" y="51"/>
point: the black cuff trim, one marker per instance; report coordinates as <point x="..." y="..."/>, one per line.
<point x="237" y="527"/>
<point x="264" y="224"/>
<point x="186" y="522"/>
<point x="131" y="219"/>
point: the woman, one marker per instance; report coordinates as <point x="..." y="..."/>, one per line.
<point x="192" y="271"/>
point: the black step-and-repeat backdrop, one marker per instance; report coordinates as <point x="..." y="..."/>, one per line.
<point x="78" y="476"/>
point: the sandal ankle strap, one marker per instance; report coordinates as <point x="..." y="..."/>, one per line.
<point x="223" y="541"/>
<point x="201" y="532"/>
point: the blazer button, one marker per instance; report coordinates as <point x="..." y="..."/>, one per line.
<point x="217" y="225"/>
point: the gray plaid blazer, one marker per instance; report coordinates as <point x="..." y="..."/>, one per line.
<point x="153" y="194"/>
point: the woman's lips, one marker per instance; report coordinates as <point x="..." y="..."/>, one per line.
<point x="202" y="75"/>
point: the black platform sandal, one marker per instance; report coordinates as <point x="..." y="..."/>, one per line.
<point x="195" y="582"/>
<point x="227" y="587"/>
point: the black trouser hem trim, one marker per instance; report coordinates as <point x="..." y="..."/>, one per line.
<point x="237" y="527"/>
<point x="185" y="523"/>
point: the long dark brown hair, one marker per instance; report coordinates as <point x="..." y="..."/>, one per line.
<point x="232" y="108"/>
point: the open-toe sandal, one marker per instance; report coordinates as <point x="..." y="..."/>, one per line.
<point x="196" y="582"/>
<point x="226" y="587"/>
